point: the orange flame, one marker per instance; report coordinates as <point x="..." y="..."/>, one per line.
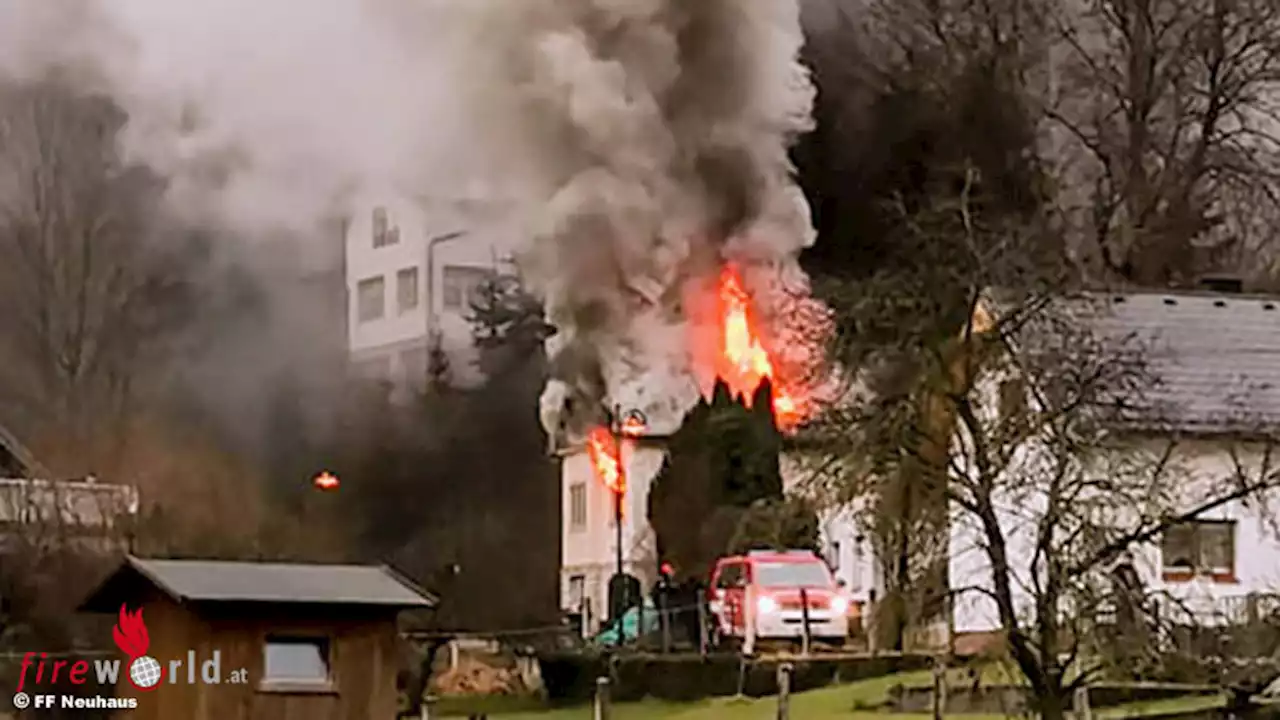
<point x="326" y="481"/>
<point x="745" y="362"/>
<point x="605" y="457"/>
<point x="130" y="633"/>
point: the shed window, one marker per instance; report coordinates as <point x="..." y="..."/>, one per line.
<point x="296" y="660"/>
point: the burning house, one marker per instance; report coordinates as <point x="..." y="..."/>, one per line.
<point x="665" y="231"/>
<point x="608" y="470"/>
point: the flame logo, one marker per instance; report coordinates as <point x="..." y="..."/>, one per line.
<point x="130" y="633"/>
<point x="131" y="636"/>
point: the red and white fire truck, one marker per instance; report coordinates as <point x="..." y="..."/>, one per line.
<point x="764" y="594"/>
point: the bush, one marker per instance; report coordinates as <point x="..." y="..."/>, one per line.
<point x="571" y="677"/>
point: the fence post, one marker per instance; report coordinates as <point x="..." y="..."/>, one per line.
<point x="1081" y="704"/>
<point x="749" y="615"/>
<point x="869" y="625"/>
<point x="602" y="699"/>
<point x="939" y="689"/>
<point x="804" y="622"/>
<point x="785" y="671"/>
<point x="639" y="624"/>
<point x="664" y="620"/>
<point x="702" y="625"/>
<point x="427" y="710"/>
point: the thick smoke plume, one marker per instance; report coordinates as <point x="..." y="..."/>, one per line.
<point x="663" y="129"/>
<point x="641" y="143"/>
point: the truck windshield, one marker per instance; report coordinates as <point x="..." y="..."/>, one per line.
<point x="801" y="574"/>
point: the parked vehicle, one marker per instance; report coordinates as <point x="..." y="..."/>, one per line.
<point x="767" y="592"/>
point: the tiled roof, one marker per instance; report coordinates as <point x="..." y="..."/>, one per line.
<point x="1214" y="358"/>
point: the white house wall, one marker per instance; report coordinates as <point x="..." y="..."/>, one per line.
<point x="1257" y="548"/>
<point x="969" y="569"/>
<point x="590" y="552"/>
<point x="849" y="551"/>
<point x="1198" y="463"/>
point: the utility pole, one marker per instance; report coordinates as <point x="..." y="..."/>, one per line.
<point x="616" y="427"/>
<point x="430" y="288"/>
<point x="620" y="427"/>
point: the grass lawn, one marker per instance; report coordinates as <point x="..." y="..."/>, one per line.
<point x="825" y="704"/>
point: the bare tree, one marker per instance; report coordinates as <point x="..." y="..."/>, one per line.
<point x="1165" y="117"/>
<point x="85" y="292"/>
<point x="1051" y="488"/>
<point x="1034" y="459"/>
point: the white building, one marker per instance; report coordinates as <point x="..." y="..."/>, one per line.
<point x="588" y="532"/>
<point x="1216" y="362"/>
<point x="412" y="267"/>
<point x="589" y="535"/>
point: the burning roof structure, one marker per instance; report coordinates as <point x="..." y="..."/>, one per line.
<point x="667" y="251"/>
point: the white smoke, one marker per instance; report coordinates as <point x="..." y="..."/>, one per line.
<point x="642" y="142"/>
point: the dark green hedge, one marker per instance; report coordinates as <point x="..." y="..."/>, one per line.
<point x="571" y="677"/>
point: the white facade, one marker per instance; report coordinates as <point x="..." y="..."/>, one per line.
<point x="850" y="553"/>
<point x="410" y="268"/>
<point x="1251" y="566"/>
<point x="588" y="534"/>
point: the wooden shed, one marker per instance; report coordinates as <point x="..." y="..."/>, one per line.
<point x="258" y="641"/>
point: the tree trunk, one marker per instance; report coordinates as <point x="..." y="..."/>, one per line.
<point x="1052" y="705"/>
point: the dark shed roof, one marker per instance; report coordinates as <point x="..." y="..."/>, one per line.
<point x="209" y="581"/>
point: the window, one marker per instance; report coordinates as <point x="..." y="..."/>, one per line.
<point x="731" y="576"/>
<point x="407" y="289"/>
<point x="459" y="285"/>
<point x="371" y="299"/>
<point x="384" y="233"/>
<point x="296" y="660"/>
<point x="793" y="574"/>
<point x="578" y="506"/>
<point x="577" y="589"/>
<point x="1205" y="547"/>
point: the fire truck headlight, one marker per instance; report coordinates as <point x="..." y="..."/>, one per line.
<point x="766" y="605"/>
<point x="840" y="605"/>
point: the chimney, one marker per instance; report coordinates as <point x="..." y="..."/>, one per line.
<point x="1227" y="284"/>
